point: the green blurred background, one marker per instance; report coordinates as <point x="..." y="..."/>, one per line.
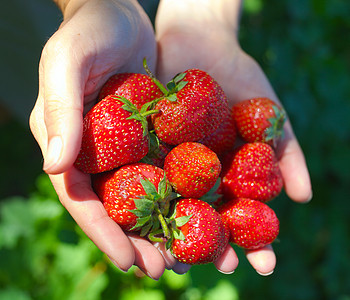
<point x="303" y="46"/>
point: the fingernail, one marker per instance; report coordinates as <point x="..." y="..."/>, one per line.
<point x="148" y="274"/>
<point x="116" y="264"/>
<point x="53" y="152"/>
<point x="310" y="197"/>
<point x="226" y="272"/>
<point x="265" y="274"/>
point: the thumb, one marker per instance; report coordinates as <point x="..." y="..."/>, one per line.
<point x="62" y="89"/>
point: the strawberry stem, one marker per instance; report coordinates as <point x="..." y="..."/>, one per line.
<point x="152" y="236"/>
<point x="163" y="223"/>
<point x="155" y="80"/>
<point x="173" y="86"/>
<point x="150" y="112"/>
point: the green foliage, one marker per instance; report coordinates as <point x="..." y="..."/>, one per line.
<point x="301" y="46"/>
<point x="45" y="255"/>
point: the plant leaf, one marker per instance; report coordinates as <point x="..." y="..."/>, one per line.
<point x="181" y="221"/>
<point x="172" y="98"/>
<point x="145" y="229"/>
<point x="178" y="235"/>
<point x="144" y="205"/>
<point x="148" y="186"/>
<point x="212" y="195"/>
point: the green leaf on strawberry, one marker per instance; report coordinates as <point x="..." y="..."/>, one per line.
<point x="175" y="85"/>
<point x="213" y="194"/>
<point x="139" y="115"/>
<point x="275" y="131"/>
<point x="148" y="186"/>
<point x="181" y="221"/>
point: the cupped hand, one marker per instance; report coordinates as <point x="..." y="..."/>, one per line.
<point x="96" y="39"/>
<point x="205" y="37"/>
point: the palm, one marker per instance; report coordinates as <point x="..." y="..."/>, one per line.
<point x="219" y="55"/>
<point x="101" y="51"/>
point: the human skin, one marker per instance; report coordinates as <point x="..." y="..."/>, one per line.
<point x="97" y="39"/>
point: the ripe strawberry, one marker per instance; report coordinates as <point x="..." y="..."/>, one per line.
<point x="135" y="196"/>
<point x="252" y="224"/>
<point x="114" y="134"/>
<point x="191" y="109"/>
<point x="201" y="236"/>
<point x="251" y="171"/>
<point x="223" y="138"/>
<point x="137" y="88"/>
<point x="259" y="120"/>
<point x="192" y="169"/>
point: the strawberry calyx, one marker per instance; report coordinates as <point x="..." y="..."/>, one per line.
<point x="152" y="207"/>
<point x="172" y="87"/>
<point x="153" y="148"/>
<point x="139" y="115"/>
<point x="275" y="131"/>
<point x="212" y="195"/>
<point x="174" y="225"/>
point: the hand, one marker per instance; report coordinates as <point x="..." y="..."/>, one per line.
<point x="95" y="40"/>
<point x="204" y="36"/>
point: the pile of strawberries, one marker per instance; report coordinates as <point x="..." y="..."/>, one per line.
<point x="166" y="164"/>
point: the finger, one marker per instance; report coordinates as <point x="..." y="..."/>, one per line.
<point x="62" y="86"/>
<point x="76" y="195"/>
<point x="294" y="170"/>
<point x="170" y="262"/>
<point x="169" y="259"/>
<point x="227" y="262"/>
<point x="147" y="257"/>
<point x="37" y="125"/>
<point x="262" y="260"/>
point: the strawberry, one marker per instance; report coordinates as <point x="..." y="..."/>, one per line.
<point x="223" y="138"/>
<point x="201" y="236"/>
<point x="191" y="108"/>
<point x="192" y="169"/>
<point x="259" y="120"/>
<point x="251" y="171"/>
<point x="135" y="196"/>
<point x="137" y="88"/>
<point x="252" y="224"/>
<point x="115" y="133"/>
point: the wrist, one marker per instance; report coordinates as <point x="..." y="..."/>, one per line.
<point x="224" y="13"/>
<point x="70" y="7"/>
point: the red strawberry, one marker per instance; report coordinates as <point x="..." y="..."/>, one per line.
<point x="252" y="224"/>
<point x="251" y="171"/>
<point x="114" y="134"/>
<point x="202" y="236"/>
<point x="191" y="109"/>
<point x="259" y="120"/>
<point x="134" y="196"/>
<point x="192" y="169"/>
<point x="223" y="138"/>
<point x="138" y="88"/>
